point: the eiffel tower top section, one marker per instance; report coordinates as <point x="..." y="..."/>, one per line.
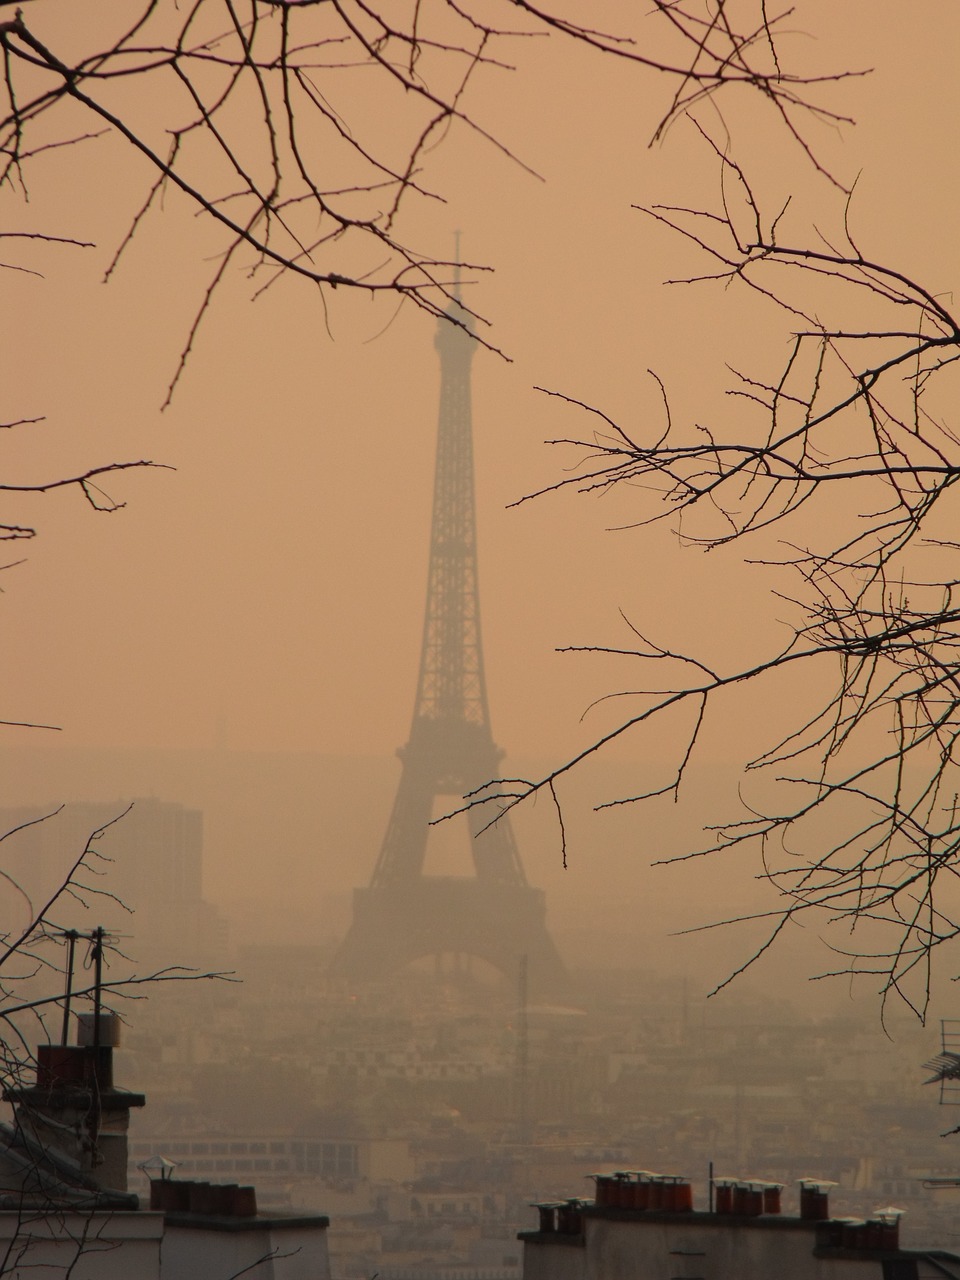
<point x="451" y="686"/>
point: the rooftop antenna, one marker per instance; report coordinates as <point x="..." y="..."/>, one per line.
<point x="456" y="266"/>
<point x="98" y="938"/>
<point x="946" y="1065"/>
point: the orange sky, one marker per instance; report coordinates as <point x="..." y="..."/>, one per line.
<point x="268" y="593"/>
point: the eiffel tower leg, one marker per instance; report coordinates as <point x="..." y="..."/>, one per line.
<point x="393" y="927"/>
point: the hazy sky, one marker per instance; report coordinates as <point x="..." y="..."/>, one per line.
<point x="267" y="594"/>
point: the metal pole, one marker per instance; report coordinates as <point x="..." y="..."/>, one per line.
<point x="97" y="982"/>
<point x="71" y="948"/>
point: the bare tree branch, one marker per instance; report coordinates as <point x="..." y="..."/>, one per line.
<point x="839" y="470"/>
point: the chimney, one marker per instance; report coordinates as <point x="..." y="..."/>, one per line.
<point x="74" y="1108"/>
<point x="815" y="1199"/>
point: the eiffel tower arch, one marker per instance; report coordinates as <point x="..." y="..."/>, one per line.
<point x="403" y="914"/>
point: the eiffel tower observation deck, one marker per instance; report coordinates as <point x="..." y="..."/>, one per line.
<point x="494" y="914"/>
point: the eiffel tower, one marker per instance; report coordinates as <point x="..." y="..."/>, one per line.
<point x="405" y="915"/>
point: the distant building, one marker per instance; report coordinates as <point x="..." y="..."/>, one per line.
<point x="283" y="1158"/>
<point x="147" y="853"/>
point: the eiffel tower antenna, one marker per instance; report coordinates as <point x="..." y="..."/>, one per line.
<point x="405" y="915"/>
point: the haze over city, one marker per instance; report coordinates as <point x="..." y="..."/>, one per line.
<point x="242" y="637"/>
<point x="267" y="595"/>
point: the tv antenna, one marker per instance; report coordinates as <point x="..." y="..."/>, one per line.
<point x="946" y="1066"/>
<point x="98" y="939"/>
